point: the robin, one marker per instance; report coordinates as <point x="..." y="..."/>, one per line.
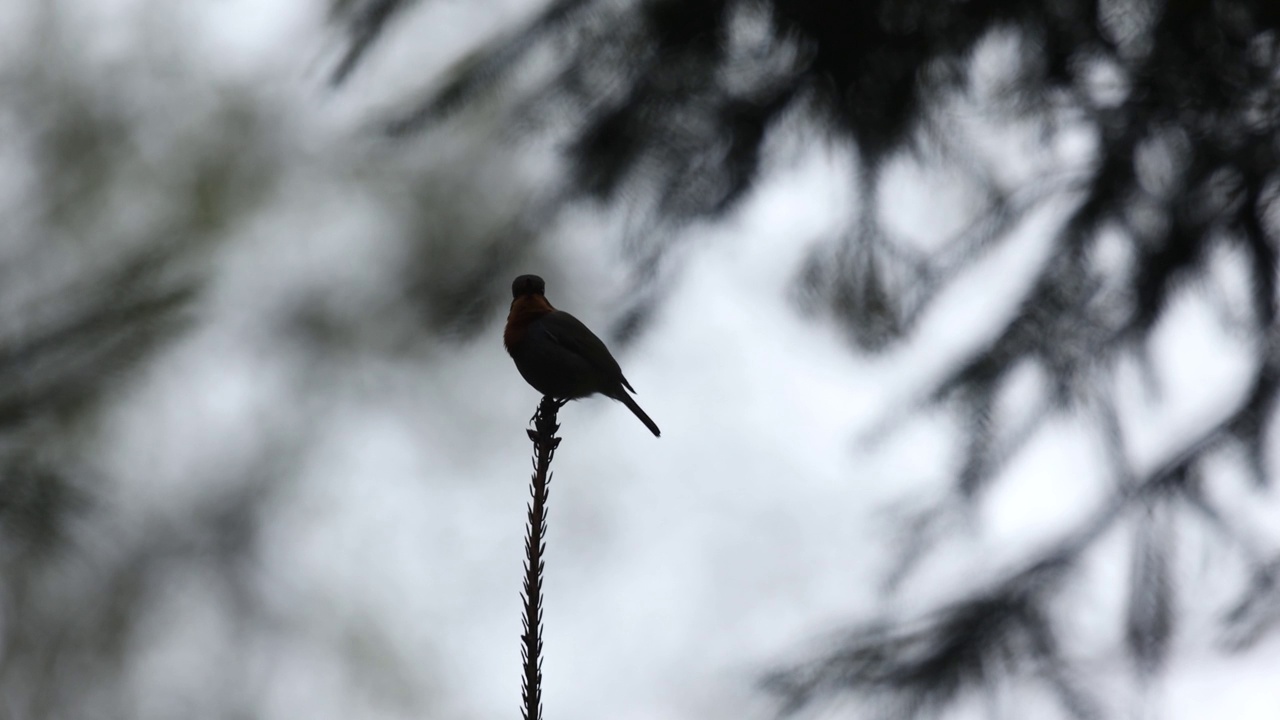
<point x="558" y="355"/>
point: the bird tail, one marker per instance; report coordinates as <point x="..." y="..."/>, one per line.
<point x="627" y="400"/>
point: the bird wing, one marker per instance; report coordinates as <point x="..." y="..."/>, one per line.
<point x="569" y="332"/>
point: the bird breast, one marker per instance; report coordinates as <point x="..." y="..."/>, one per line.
<point x="524" y="310"/>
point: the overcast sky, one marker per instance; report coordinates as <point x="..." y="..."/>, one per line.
<point x="768" y="515"/>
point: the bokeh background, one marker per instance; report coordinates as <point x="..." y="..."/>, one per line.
<point x="959" y="319"/>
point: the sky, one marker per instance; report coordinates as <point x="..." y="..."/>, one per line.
<point x="389" y="469"/>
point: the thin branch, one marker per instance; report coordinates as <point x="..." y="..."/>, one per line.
<point x="545" y="442"/>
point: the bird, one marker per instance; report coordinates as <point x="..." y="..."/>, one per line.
<point x="558" y="355"/>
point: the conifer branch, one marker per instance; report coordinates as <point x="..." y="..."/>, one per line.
<point x="545" y="442"/>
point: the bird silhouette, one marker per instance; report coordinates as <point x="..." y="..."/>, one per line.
<point x="558" y="355"/>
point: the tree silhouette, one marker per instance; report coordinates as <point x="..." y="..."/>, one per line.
<point x="674" y="101"/>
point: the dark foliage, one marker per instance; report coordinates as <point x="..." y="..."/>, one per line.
<point x="89" y="302"/>
<point x="90" y="335"/>
<point x="677" y="97"/>
<point x="975" y="642"/>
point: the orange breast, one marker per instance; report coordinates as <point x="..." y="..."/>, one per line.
<point x="524" y="310"/>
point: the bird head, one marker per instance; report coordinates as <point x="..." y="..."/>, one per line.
<point x="528" y="285"/>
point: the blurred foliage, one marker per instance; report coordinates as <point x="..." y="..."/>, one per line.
<point x="673" y="101"/>
<point x="363" y="21"/>
<point x="92" y="332"/>
<point x="104" y="258"/>
<point x="671" y="104"/>
<point x="132" y="189"/>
